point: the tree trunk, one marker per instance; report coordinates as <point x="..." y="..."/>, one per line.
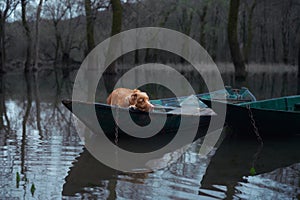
<point x="2" y="44"/>
<point x="58" y="42"/>
<point x="186" y="26"/>
<point x="285" y="42"/>
<point x="28" y="37"/>
<point x="262" y="44"/>
<point x="89" y="26"/>
<point x="240" y="69"/>
<point x="115" y="29"/>
<point x="37" y="35"/>
<point x="299" y="63"/>
<point x="117" y="17"/>
<point x="202" y="26"/>
<point x="274" y="48"/>
<point x="285" y="31"/>
<point x="248" y="45"/>
<point x="214" y="36"/>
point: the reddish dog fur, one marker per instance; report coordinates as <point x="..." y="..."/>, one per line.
<point x="124" y="97"/>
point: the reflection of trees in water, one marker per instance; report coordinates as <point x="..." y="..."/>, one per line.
<point x="270" y="81"/>
<point x="37" y="104"/>
<point x="43" y="112"/>
<point x="4" y="121"/>
<point x="63" y="84"/>
<point x="5" y="127"/>
<point x="32" y="117"/>
<point x="25" y="119"/>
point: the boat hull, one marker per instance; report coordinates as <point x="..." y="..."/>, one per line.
<point x="108" y="125"/>
<point x="268" y="122"/>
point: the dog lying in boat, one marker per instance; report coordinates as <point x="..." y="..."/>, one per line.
<point x="124" y="97"/>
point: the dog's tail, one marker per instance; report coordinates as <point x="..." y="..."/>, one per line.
<point x="108" y="100"/>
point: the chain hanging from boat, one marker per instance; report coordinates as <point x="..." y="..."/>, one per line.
<point x="259" y="138"/>
<point x="117" y="109"/>
<point x="117" y="127"/>
<point x="255" y="129"/>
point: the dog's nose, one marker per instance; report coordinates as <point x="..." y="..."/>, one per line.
<point x="151" y="107"/>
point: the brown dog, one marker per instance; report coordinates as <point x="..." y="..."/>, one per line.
<point x="124" y="97"/>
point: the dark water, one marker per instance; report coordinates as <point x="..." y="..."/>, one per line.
<point x="42" y="157"/>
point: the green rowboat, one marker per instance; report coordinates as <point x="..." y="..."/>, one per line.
<point x="172" y="116"/>
<point x="169" y="109"/>
<point x="271" y="116"/>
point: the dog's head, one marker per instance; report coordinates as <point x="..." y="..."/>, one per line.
<point x="141" y="101"/>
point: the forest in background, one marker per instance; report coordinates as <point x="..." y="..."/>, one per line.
<point x="33" y="33"/>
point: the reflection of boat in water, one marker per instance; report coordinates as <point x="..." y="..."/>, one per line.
<point x="90" y="177"/>
<point x="235" y="158"/>
<point x="226" y="169"/>
<point x="86" y="172"/>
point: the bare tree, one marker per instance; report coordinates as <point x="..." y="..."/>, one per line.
<point x="202" y="15"/>
<point x="262" y="39"/>
<point x="214" y="34"/>
<point x="91" y="9"/>
<point x="37" y="36"/>
<point x="298" y="42"/>
<point x="285" y="26"/>
<point x="262" y="28"/>
<point x="28" y="36"/>
<point x="299" y="62"/>
<point x="185" y="18"/>
<point x="89" y="25"/>
<point x="239" y="65"/>
<point x="6" y="9"/>
<point x="57" y="10"/>
<point x="247" y="46"/>
<point x="115" y="28"/>
<point x="117" y="17"/>
<point x="69" y="42"/>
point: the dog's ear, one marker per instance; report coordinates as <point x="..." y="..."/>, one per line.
<point x="133" y="97"/>
<point x="136" y="91"/>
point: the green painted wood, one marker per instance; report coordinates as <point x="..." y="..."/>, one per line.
<point x="288" y="104"/>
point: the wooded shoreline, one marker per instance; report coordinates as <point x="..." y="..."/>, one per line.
<point x="65" y="31"/>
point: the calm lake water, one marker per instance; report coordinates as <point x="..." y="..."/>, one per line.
<point x="42" y="156"/>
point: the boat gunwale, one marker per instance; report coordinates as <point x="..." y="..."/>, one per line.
<point x="110" y="107"/>
<point x="244" y="105"/>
